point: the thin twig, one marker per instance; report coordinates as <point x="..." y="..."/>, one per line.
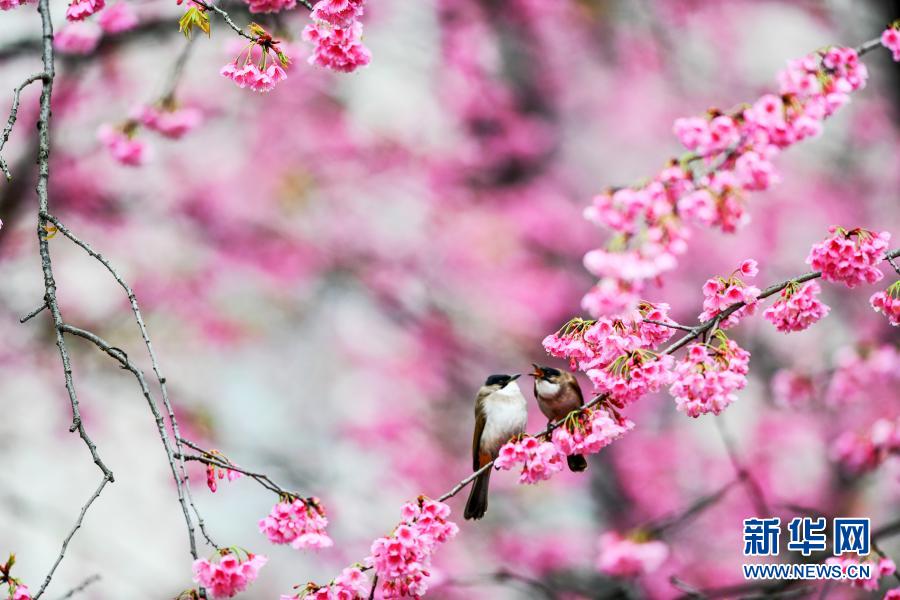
<point x="122" y="358"/>
<point x="13" y="115"/>
<point x="182" y="482"/>
<point x="80" y="587"/>
<point x="106" y="479"/>
<point x="42" y="188"/>
<point x="754" y="489"/>
<point x="33" y="313"/>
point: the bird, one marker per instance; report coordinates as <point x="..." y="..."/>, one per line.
<point x="557" y="394"/>
<point x="501" y="413"/>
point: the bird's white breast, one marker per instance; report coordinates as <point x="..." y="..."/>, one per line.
<point x="547" y="388"/>
<point x="506" y="412"/>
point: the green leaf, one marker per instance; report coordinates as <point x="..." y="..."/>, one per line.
<point x="194" y="18"/>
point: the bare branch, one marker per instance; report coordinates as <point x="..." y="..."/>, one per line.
<point x="13" y="115"/>
<point x="81" y="587"/>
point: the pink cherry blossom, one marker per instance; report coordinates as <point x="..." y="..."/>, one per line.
<point x="617" y="354"/>
<point x="589" y="432"/>
<point x="123" y="146"/>
<point x="300" y="523"/>
<point x="337" y="48"/>
<point x="792" y="389"/>
<point x="19" y="592"/>
<point x="850" y="257"/>
<point x="540" y="460"/>
<point x="890" y="39"/>
<point x="79" y="10"/>
<point x="888" y="303"/>
<point x="77" y="38"/>
<point x="860" y="452"/>
<point x="339" y="13"/>
<point x="860" y="369"/>
<point x="797" y="307"/>
<point x="118" y="18"/>
<point x="402" y="560"/>
<point x="351" y="584"/>
<point x="720" y="293"/>
<point x="893" y="593"/>
<point x="625" y="557"/>
<point x="11" y="4"/>
<point x="171" y="122"/>
<point x="230" y="575"/>
<point x="706" y="380"/>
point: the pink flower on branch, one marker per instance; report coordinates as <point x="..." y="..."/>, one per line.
<point x="118" y="18"/>
<point x="79" y="10"/>
<point x="797" y="308"/>
<point x="730" y="153"/>
<point x="230" y="575"/>
<point x="888" y="303"/>
<point x="298" y="522"/>
<point x="540" y="460"/>
<point x="720" y="293"/>
<point x="260" y="75"/>
<point x="122" y="144"/>
<point x="707" y="378"/>
<point x="402" y="560"/>
<point x="629" y="557"/>
<point x="890" y="39"/>
<point x="850" y="257"/>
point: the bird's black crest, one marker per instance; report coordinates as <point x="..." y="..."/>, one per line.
<point x="551" y="371"/>
<point x="497" y="380"/>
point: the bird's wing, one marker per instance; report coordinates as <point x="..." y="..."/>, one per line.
<point x="576" y="387"/>
<point x="480" y="420"/>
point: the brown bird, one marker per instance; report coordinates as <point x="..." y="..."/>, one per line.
<point x="501" y="412"/>
<point x="557" y="394"/>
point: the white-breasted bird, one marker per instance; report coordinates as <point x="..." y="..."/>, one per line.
<point x="501" y="412"/>
<point x="557" y="394"/>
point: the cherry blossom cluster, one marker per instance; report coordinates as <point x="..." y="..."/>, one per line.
<point x="402" y="559"/>
<point x="797" y="307"/>
<point x="729" y="154"/>
<point x="262" y="70"/>
<point x="864" y="452"/>
<point x="883" y="566"/>
<point x="11" y="4"/>
<point x="720" y="293"/>
<point x="850" y="257"/>
<point x="629" y="556"/>
<point x="890" y="39"/>
<point x="706" y="380"/>
<point x="888" y="303"/>
<point x="540" y="460"/>
<point x="166" y="118"/>
<point x="80" y="36"/>
<point x="79" y="10"/>
<point x="351" y="584"/>
<point x="230" y="575"/>
<point x="589" y="431"/>
<point x="299" y="522"/>
<point x="213" y="472"/>
<point x="858" y="370"/>
<point x="791" y="389"/>
<point x="336" y="33"/>
<point x="122" y="144"/>
<point x="617" y="354"/>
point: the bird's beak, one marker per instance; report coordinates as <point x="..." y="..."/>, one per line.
<point x="538" y="372"/>
<point x="514" y="377"/>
